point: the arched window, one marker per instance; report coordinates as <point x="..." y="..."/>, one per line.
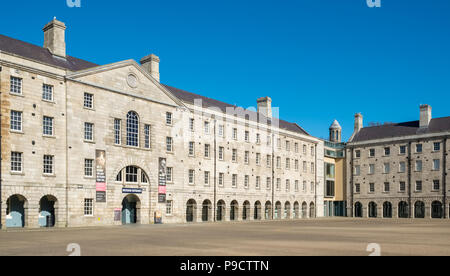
<point x="132" y="129"/>
<point x="132" y="174"/>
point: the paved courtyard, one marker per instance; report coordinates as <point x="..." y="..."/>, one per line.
<point x="340" y="236"/>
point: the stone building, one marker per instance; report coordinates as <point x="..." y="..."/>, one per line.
<point x="399" y="170"/>
<point x="86" y="145"/>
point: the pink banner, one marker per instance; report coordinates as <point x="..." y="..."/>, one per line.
<point x="101" y="187"/>
<point x="162" y="189"/>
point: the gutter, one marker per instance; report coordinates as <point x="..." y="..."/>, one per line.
<point x="409" y="180"/>
<point x="1" y="153"/>
<point x="215" y="172"/>
<point x="444" y="176"/>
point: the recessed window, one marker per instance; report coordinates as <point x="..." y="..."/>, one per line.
<point x="234" y="181"/>
<point x="132" y="129"/>
<point x="258" y="159"/>
<point x="357" y="170"/>
<point x="418" y="186"/>
<point x="234" y="133"/>
<point x="16" y="120"/>
<point x="288" y="185"/>
<point x="16" y="161"/>
<point x="436" y="165"/>
<point x="402" y="167"/>
<point x="147" y="136"/>
<point x="221" y="131"/>
<point x="221" y="179"/>
<point x="357" y="188"/>
<point x="419" y="148"/>
<point x="387" y="187"/>
<point x="436" y="146"/>
<point x="207" y="151"/>
<point x="191" y="148"/>
<point x="191" y="125"/>
<point x="288" y="163"/>
<point x="288" y="146"/>
<point x="371" y="187"/>
<point x="387" y="167"/>
<point x="278" y="184"/>
<point x="48" y="164"/>
<point x="258" y="183"/>
<point x="247" y="157"/>
<point x="402" y="150"/>
<point x="372" y="153"/>
<point x="279" y="162"/>
<point x="16" y="85"/>
<point x="268" y="183"/>
<point x="246" y="181"/>
<point x="247" y="136"/>
<point x="269" y="161"/>
<point x="131" y="174"/>
<point x="88" y="207"/>
<point x="329" y="189"/>
<point x="357" y="154"/>
<point x="169" y="174"/>
<point x="117" y="131"/>
<point x="258" y="138"/>
<point x="88" y="167"/>
<point x="88" y="100"/>
<point x="191" y="177"/>
<point x="88" y="131"/>
<point x="48" y="126"/>
<point x="221" y="153"/>
<point x="206" y="127"/>
<point x="418" y="165"/>
<point x="234" y="155"/>
<point x="436" y="185"/>
<point x="169" y="144"/>
<point x="371" y="168"/>
<point x="207" y="178"/>
<point x="47" y="92"/>
<point x="387" y="151"/>
<point x="169" y="118"/>
<point x="402" y="187"/>
<point x="169" y="207"/>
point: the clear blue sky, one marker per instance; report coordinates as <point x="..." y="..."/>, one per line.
<point x="319" y="60"/>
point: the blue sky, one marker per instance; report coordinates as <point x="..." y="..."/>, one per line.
<point x="319" y="60"/>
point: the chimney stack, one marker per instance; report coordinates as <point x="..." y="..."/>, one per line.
<point x="54" y="38"/>
<point x="358" y="122"/>
<point x="151" y="65"/>
<point x="425" y="115"/>
<point x="265" y="106"/>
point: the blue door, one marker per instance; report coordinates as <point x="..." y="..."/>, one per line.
<point x="47" y="213"/>
<point x="128" y="212"/>
<point x="16" y="213"/>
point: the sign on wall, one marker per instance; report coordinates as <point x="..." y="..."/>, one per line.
<point x="100" y="169"/>
<point x="162" y="180"/>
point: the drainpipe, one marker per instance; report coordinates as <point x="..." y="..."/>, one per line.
<point x="215" y="171"/>
<point x="316" y="184"/>
<point x="1" y="143"/>
<point x="409" y="181"/>
<point x="67" y="160"/>
<point x="444" y="176"/>
<point x="352" y="188"/>
<point x="273" y="174"/>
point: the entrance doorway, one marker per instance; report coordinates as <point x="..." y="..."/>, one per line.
<point x="15" y="211"/>
<point x="130" y="209"/>
<point x="47" y="212"/>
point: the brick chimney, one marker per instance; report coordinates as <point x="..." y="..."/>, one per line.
<point x="265" y="106"/>
<point x="425" y="115"/>
<point x="151" y="65"/>
<point x="54" y="38"/>
<point x="358" y="122"/>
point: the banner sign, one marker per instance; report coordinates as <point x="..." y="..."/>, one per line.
<point x="131" y="191"/>
<point x="162" y="180"/>
<point x="100" y="171"/>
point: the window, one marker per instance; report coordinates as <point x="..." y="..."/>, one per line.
<point x="88" y="207"/>
<point x="234" y="181"/>
<point x="48" y="164"/>
<point x="191" y="177"/>
<point x="221" y="179"/>
<point x="48" y="126"/>
<point x="258" y="159"/>
<point x="144" y="177"/>
<point x="313" y="168"/>
<point x="268" y="161"/>
<point x="387" y="167"/>
<point x="279" y="162"/>
<point x="88" y="131"/>
<point x="269" y="140"/>
<point x="16" y="161"/>
<point x="436" y="165"/>
<point x="246" y="181"/>
<point x="206" y="127"/>
<point x="371" y="187"/>
<point x="169" y="144"/>
<point x="402" y="167"/>
<point x="207" y="178"/>
<point x="288" y="146"/>
<point x="305" y="169"/>
<point x="258" y="183"/>
<point x="47" y="92"/>
<point x="437" y="146"/>
<point x="296" y="165"/>
<point x="207" y="151"/>
<point x="357" y="154"/>
<point x="357" y="188"/>
<point x="357" y="170"/>
<point x="247" y="157"/>
<point x="117" y="131"/>
<point x="169" y="174"/>
<point x="419" y="148"/>
<point x="221" y="153"/>
<point x="191" y="125"/>
<point x="234" y="156"/>
<point x="288" y="185"/>
<point x="296" y="147"/>
<point x="168" y="118"/>
<point x="418" y="186"/>
<point x="131" y="174"/>
<point x="191" y="148"/>
<point x="247" y="136"/>
<point x="330" y="170"/>
<point x="402" y="186"/>
<point x="132" y="129"/>
<point x="221" y="131"/>
<point x="119" y="176"/>
<point x="297" y="185"/>
<point x="313" y="151"/>
<point x="436" y="185"/>
<point x="288" y="163"/>
<point x="147" y="136"/>
<point x="234" y="133"/>
<point x="371" y="168"/>
<point x="402" y="150"/>
<point x="418" y="165"/>
<point x="278" y="184"/>
<point x="312" y="187"/>
<point x="88" y="100"/>
<point x="387" y="187"/>
<point x="268" y="183"/>
<point x="329" y="192"/>
<point x="258" y="138"/>
<point x="88" y="167"/>
<point x="16" y="85"/>
<point x="16" y="120"/>
<point x="304" y="149"/>
<point x="387" y="151"/>
<point x="279" y="143"/>
<point x="169" y="207"/>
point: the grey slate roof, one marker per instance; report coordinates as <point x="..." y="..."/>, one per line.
<point x="401" y="129"/>
<point x="335" y="125"/>
<point x="189" y="97"/>
<point x="34" y="52"/>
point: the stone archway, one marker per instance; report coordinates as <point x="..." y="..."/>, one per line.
<point x="206" y="210"/>
<point x="257" y="211"/>
<point x="48" y="210"/>
<point x="191" y="211"/>
<point x="131" y="209"/>
<point x="16" y="211"/>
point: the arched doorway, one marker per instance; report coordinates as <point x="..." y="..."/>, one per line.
<point x="47" y="213"/>
<point x="436" y="209"/>
<point x="387" y="210"/>
<point x="419" y="209"/>
<point x="220" y="210"/>
<point x="16" y="207"/>
<point x="191" y="210"/>
<point x="296" y="210"/>
<point x="234" y="210"/>
<point x="278" y="210"/>
<point x="403" y="211"/>
<point x="304" y="210"/>
<point x="372" y="210"/>
<point x="206" y="210"/>
<point x="358" y="210"/>
<point x="131" y="206"/>
<point x="268" y="210"/>
<point x="287" y="210"/>
<point x="257" y="213"/>
<point x="312" y="210"/>
<point x="246" y="211"/>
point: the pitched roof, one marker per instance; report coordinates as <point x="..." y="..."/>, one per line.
<point x="401" y="129"/>
<point x="189" y="97"/>
<point x="335" y="125"/>
<point x="34" y="52"/>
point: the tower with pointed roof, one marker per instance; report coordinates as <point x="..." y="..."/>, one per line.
<point x="335" y="132"/>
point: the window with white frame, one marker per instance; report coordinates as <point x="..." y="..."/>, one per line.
<point x="418" y="165"/>
<point x="357" y="188"/>
<point x="288" y="185"/>
<point x="48" y="164"/>
<point x="437" y="146"/>
<point x="206" y="127"/>
<point x="258" y="138"/>
<point x="402" y="167"/>
<point x="221" y="131"/>
<point x="117" y="131"/>
<point x="16" y="85"/>
<point x="436" y="185"/>
<point x="207" y="150"/>
<point x="16" y="162"/>
<point x="247" y="157"/>
<point x="47" y="126"/>
<point x="313" y="151"/>
<point x="169" y="174"/>
<point x="234" y="181"/>
<point x="246" y="181"/>
<point x="147" y="136"/>
<point x="304" y="149"/>
<point x="258" y="183"/>
<point x="288" y="146"/>
<point x="436" y="165"/>
<point x="247" y="136"/>
<point x="16" y="120"/>
<point x="169" y="144"/>
<point x="268" y="183"/>
<point x="234" y="133"/>
<point x="132" y="129"/>
<point x="297" y="185"/>
<point x="88" y="207"/>
<point x="371" y="152"/>
<point x="88" y="100"/>
<point x="207" y="178"/>
<point x="221" y="179"/>
<point x="258" y="159"/>
<point x="169" y="207"/>
<point x="131" y="174"/>
<point x="191" y="177"/>
<point x="371" y="168"/>
<point x="288" y="163"/>
<point x="88" y="167"/>
<point x="168" y="118"/>
<point x="88" y="131"/>
<point x="387" y="167"/>
<point x="191" y="124"/>
<point x="221" y="153"/>
<point x="47" y="92"/>
<point x="402" y="150"/>
<point x="191" y="148"/>
<point x="234" y="155"/>
<point x="278" y="184"/>
<point x="357" y="170"/>
<point x="305" y="168"/>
